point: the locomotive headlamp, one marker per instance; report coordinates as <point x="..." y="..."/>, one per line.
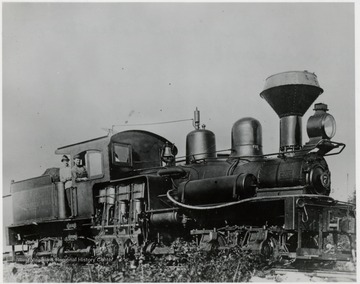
<point x="321" y="124"/>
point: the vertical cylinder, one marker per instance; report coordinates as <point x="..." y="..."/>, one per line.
<point x="290" y="133"/>
<point x="61" y="199"/>
<point x="122" y="205"/>
<point x="138" y="209"/>
<point x="104" y="215"/>
<point x="110" y="195"/>
<point x="122" y="212"/>
<point x="102" y="195"/>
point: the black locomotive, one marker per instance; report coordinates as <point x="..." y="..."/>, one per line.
<point x="139" y="197"/>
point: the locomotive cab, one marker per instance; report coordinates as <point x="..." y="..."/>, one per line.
<point x="107" y="159"/>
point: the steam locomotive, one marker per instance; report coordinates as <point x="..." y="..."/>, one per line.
<point x="139" y="197"/>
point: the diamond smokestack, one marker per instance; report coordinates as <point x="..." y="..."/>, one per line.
<point x="290" y="94"/>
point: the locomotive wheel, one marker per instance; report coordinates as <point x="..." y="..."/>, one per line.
<point x="150" y="247"/>
<point x="307" y="242"/>
<point x="129" y="250"/>
<point x="34" y="253"/>
<point x="113" y="249"/>
<point x="60" y="252"/>
<point x="267" y="248"/>
<point x="29" y="253"/>
<point x="108" y="249"/>
<point x="207" y="244"/>
<point x="292" y="243"/>
<point x="79" y="244"/>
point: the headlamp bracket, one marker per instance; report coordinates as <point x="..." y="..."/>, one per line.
<point x="324" y="146"/>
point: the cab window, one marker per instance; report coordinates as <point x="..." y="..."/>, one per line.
<point x="94" y="164"/>
<point x="122" y="154"/>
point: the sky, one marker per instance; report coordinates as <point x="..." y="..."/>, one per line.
<point x="71" y="70"/>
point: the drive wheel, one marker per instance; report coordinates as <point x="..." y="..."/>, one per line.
<point x="267" y="249"/>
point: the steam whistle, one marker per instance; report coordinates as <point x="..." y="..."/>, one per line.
<point x="197" y="119"/>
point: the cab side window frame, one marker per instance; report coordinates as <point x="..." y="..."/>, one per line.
<point x="121" y="154"/>
<point x="90" y="164"/>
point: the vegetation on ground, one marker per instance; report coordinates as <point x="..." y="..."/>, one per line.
<point x="187" y="264"/>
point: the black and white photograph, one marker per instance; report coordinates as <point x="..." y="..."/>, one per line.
<point x="179" y="142"/>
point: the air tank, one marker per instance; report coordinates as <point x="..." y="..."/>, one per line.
<point x="217" y="189"/>
<point x="246" y="138"/>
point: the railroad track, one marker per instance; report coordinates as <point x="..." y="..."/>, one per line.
<point x="330" y="275"/>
